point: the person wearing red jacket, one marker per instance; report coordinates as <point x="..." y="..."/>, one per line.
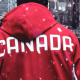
<point x="34" y="46"/>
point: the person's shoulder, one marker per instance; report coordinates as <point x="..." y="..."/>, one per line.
<point x="66" y="30"/>
<point x="69" y="32"/>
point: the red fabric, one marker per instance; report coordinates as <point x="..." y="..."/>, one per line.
<point x="26" y="38"/>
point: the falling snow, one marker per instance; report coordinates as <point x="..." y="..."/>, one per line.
<point x="39" y="52"/>
<point x="66" y="59"/>
<point x="35" y="9"/>
<point x="61" y="64"/>
<point x="21" y="79"/>
<point x="58" y="78"/>
<point x="54" y="77"/>
<point x="59" y="30"/>
<point x="10" y="55"/>
<point x="40" y="78"/>
<point x="6" y="76"/>
<point x="41" y="60"/>
<point x="43" y="19"/>
<point x="53" y="62"/>
<point x="24" y="15"/>
<point x="26" y="51"/>
<point x="1" y="44"/>
<point x="27" y="8"/>
<point x="31" y="24"/>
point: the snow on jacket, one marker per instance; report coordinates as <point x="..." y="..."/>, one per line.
<point x="34" y="46"/>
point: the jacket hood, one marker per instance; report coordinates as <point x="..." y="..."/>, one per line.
<point x="27" y="21"/>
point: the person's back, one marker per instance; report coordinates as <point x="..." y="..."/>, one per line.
<point x="33" y="46"/>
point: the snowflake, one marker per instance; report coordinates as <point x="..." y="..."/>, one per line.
<point x="20" y="78"/>
<point x="6" y="76"/>
<point x="35" y="9"/>
<point x="24" y="15"/>
<point x="1" y="44"/>
<point x="54" y="77"/>
<point x="66" y="59"/>
<point x="43" y="19"/>
<point x="10" y="55"/>
<point x="40" y="78"/>
<point x="58" y="78"/>
<point x="39" y="52"/>
<point x="53" y="62"/>
<point x="26" y="51"/>
<point x="27" y="8"/>
<point x="31" y="24"/>
<point x="61" y="64"/>
<point x="59" y="30"/>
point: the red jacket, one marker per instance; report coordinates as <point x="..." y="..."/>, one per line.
<point x="33" y="46"/>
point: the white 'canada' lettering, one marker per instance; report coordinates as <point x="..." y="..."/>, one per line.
<point x="38" y="44"/>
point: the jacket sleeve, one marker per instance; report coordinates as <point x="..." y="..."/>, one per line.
<point x="2" y="50"/>
<point x="1" y="64"/>
<point x="77" y="58"/>
<point x="77" y="62"/>
<point x="2" y="53"/>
